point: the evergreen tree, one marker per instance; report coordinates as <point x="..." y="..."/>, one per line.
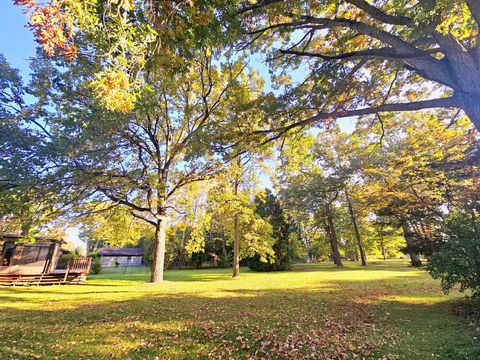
<point x="283" y="233"/>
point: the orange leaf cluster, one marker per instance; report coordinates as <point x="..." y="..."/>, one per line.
<point x="52" y="26"/>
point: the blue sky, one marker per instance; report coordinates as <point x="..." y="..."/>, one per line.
<point x="16" y="41"/>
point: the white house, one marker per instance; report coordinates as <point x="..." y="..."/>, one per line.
<point x="110" y="257"/>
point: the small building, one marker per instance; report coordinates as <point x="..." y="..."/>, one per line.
<point x="111" y="257"/>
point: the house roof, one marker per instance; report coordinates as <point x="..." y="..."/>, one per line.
<point x="121" y="252"/>
<point x="17" y="237"/>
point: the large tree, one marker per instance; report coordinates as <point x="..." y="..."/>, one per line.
<point x="25" y="205"/>
<point x="140" y="158"/>
<point x="231" y="206"/>
<point x="357" y="58"/>
<point x="419" y="173"/>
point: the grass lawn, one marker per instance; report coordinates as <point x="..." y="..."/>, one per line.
<point x="385" y="311"/>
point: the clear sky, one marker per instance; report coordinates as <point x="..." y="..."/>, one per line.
<point x="16" y="41"/>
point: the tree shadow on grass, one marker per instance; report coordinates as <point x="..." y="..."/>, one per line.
<point x="348" y="320"/>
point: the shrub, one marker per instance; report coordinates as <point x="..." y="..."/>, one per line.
<point x="65" y="259"/>
<point x="96" y="265"/>
<point x="457" y="259"/>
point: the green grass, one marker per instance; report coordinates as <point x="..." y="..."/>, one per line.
<point x="385" y="311"/>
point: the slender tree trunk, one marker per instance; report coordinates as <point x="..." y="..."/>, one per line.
<point x="355" y="227"/>
<point x="236" y="236"/>
<point x="355" y="251"/>
<point x="409" y="235"/>
<point x="382" y="246"/>
<point x="236" y="246"/>
<point x="224" y="255"/>
<point x="159" y="250"/>
<point x="332" y="234"/>
<point x="181" y="254"/>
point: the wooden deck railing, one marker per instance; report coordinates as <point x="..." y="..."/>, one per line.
<point x="79" y="265"/>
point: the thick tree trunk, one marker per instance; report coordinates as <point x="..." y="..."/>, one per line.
<point x="355" y="227"/>
<point x="409" y="236"/>
<point x="159" y="251"/>
<point x="236" y="246"/>
<point x="471" y="105"/>
<point x="332" y="234"/>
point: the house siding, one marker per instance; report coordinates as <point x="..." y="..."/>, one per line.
<point x="109" y="261"/>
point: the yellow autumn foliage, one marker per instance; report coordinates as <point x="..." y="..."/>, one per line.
<point x="114" y="90"/>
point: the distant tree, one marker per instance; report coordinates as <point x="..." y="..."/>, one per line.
<point x="233" y="212"/>
<point x="387" y="235"/>
<point x="111" y="225"/>
<point x="306" y="190"/>
<point x="284" y="235"/>
<point x="190" y="220"/>
<point x="407" y="177"/>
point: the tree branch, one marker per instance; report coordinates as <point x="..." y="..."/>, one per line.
<point x="134" y="214"/>
<point x="380" y="15"/>
<point x="256" y="6"/>
<point x="411" y="106"/>
<point x="381" y="53"/>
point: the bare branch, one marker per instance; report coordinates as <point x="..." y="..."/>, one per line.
<point x="138" y="216"/>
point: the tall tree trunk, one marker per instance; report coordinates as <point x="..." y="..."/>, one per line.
<point x="181" y="253"/>
<point x="159" y="250"/>
<point x="355" y="251"/>
<point x="355" y="227"/>
<point x="409" y="235"/>
<point x="236" y="246"/>
<point x="382" y="246"/>
<point x="224" y="262"/>
<point x="332" y="234"/>
<point x="236" y="236"/>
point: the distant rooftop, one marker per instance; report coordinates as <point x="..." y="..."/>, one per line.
<point x="121" y="252"/>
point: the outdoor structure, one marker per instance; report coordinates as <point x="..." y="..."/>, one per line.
<point x="36" y="263"/>
<point x="110" y="257"/>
